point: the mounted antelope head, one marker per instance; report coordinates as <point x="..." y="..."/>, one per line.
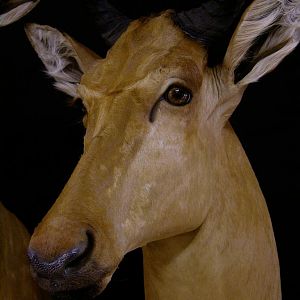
<point x="162" y="169"/>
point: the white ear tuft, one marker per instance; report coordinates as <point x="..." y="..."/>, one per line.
<point x="16" y="13"/>
<point x="58" y="56"/>
<point x="277" y="22"/>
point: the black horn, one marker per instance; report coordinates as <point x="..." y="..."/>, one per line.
<point x="111" y="22"/>
<point x="212" y="23"/>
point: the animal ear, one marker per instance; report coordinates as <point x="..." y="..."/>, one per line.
<point x="268" y="31"/>
<point x="65" y="59"/>
<point x="12" y="13"/>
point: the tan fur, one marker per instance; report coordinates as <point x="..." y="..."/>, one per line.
<point x="180" y="187"/>
<point x="16" y="281"/>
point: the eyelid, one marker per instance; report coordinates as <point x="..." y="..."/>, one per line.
<point x="163" y="97"/>
<point x="168" y="83"/>
<point x="171" y="82"/>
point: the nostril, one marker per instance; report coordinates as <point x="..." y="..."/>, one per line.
<point x="68" y="262"/>
<point x="81" y="258"/>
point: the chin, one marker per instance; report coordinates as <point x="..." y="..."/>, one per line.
<point x="84" y="293"/>
<point x="81" y="285"/>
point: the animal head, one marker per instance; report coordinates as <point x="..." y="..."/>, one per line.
<point x="155" y="143"/>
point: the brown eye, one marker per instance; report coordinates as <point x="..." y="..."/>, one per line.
<point x="178" y="95"/>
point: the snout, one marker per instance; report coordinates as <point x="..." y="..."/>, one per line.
<point x="68" y="273"/>
<point x="64" y="264"/>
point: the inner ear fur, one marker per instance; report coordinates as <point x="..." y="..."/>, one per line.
<point x="268" y="31"/>
<point x="15" y="13"/>
<point x="64" y="58"/>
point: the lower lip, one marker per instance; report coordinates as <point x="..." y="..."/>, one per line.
<point x="86" y="293"/>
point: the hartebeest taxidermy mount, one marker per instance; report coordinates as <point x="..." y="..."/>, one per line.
<point x="162" y="168"/>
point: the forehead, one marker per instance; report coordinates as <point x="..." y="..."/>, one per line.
<point x="150" y="45"/>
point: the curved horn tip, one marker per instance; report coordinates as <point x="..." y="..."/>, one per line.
<point x="110" y="21"/>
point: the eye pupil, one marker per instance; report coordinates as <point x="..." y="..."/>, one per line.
<point x="178" y="96"/>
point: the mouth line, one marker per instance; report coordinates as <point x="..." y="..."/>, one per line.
<point x="84" y="293"/>
<point x="80" y="288"/>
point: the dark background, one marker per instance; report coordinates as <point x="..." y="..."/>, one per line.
<point x="41" y="135"/>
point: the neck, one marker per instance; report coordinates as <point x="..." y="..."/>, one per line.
<point x="232" y="255"/>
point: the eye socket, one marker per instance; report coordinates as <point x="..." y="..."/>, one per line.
<point x="178" y="95"/>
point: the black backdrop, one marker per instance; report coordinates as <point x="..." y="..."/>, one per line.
<point x="41" y="136"/>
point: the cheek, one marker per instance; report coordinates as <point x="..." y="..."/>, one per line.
<point x="163" y="146"/>
<point x="168" y="146"/>
<point x="161" y="189"/>
<point x="159" y="171"/>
